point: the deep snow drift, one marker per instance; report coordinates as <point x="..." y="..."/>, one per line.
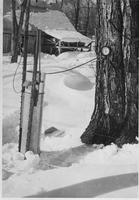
<point x="65" y="165"/>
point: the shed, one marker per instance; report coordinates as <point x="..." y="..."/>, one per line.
<point x="58" y="34"/>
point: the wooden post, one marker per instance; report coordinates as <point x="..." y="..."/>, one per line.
<point x="24" y="68"/>
<point x="37" y="119"/>
<point x="34" y="93"/>
<point x="59" y="47"/>
<point x="34" y="131"/>
<point x="25" y="113"/>
<point x="32" y="106"/>
<point x="34" y="144"/>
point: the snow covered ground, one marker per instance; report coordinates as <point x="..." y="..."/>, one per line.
<point x="66" y="167"/>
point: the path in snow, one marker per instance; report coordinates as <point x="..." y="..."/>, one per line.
<point x="64" y="158"/>
<point x="94" y="187"/>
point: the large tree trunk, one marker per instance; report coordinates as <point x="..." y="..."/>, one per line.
<point x="115" y="115"/>
<point x="130" y="49"/>
<point x="108" y="115"/>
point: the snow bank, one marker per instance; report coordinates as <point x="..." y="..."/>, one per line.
<point x="14" y="161"/>
<point x="68" y="55"/>
<point x="111" y="154"/>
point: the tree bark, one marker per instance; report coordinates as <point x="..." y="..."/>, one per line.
<point x="17" y="29"/>
<point x="14" y="33"/>
<point x="108" y="116"/>
<point x="130" y="53"/>
<point x="62" y="2"/>
<point x="87" y="18"/>
<point x="25" y="39"/>
<point x="77" y="14"/>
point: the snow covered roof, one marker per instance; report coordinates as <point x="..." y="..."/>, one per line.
<point x="51" y="19"/>
<point x="68" y="36"/>
<point x="56" y="24"/>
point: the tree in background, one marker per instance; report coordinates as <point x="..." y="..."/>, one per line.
<point x="116" y="102"/>
<point x="87" y="17"/>
<point x="14" y="33"/>
<point x="80" y="12"/>
<point x="62" y="2"/>
<point x="17" y="24"/>
<point x="18" y="21"/>
<point x="77" y="10"/>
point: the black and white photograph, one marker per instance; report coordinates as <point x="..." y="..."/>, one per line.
<point x="69" y="98"/>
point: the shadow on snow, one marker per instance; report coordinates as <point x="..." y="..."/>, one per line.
<point x="93" y="188"/>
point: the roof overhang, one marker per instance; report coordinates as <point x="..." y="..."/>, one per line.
<point x="68" y="36"/>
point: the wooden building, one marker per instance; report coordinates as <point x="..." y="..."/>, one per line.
<point x="57" y="33"/>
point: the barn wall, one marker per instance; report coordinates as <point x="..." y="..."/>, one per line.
<point x="31" y="43"/>
<point x="46" y="45"/>
<point x="7" y="42"/>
